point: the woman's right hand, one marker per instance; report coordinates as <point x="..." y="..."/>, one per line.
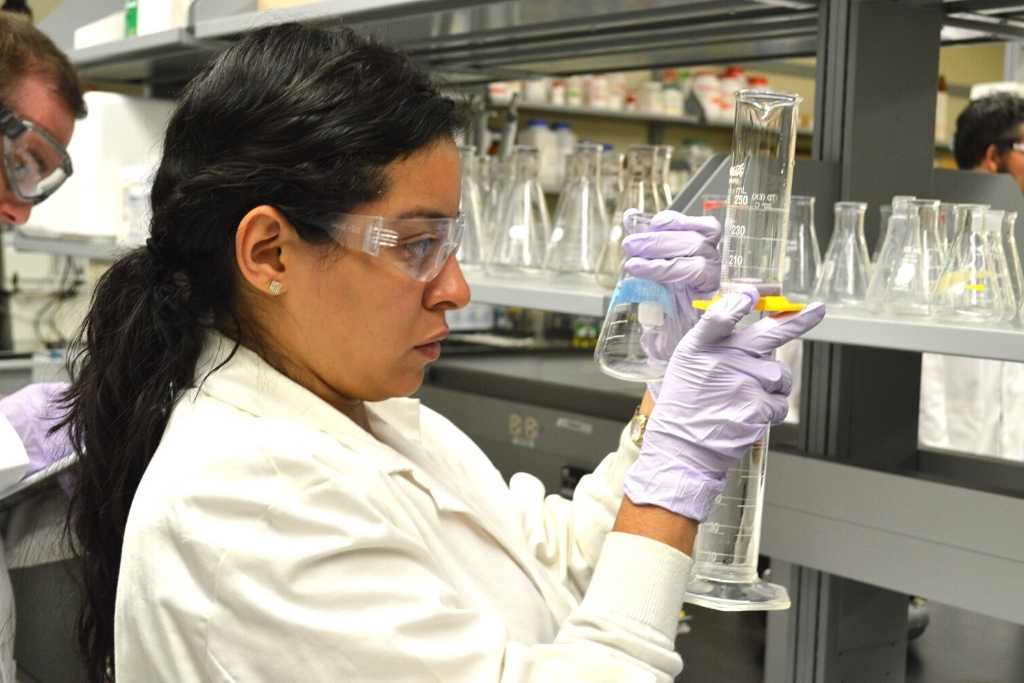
<point x="720" y="393"/>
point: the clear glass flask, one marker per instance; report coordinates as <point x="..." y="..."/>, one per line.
<point x="947" y="225"/>
<point x="725" y="555"/>
<point x="612" y="178"/>
<point x="803" y="258"/>
<point x="641" y="316"/>
<point x="663" y="170"/>
<point x="474" y="237"/>
<point x="846" y="268"/>
<point x="910" y="262"/>
<point x="1001" y="258"/>
<point x="1014" y="258"/>
<point x="581" y="224"/>
<point x="524" y="225"/>
<point x="639" y="192"/>
<point x="970" y="288"/>
<point x="884" y="214"/>
<point x="501" y="173"/>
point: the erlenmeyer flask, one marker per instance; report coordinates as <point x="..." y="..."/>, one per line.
<point x="662" y="170"/>
<point x="846" y="269"/>
<point x="641" y="316"/>
<point x="501" y="173"/>
<point x="612" y="177"/>
<point x="1013" y="258"/>
<point x="947" y="225"/>
<point x="970" y="289"/>
<point x="474" y="238"/>
<point x="525" y="225"/>
<point x="581" y="224"/>
<point x="910" y="261"/>
<point x="1003" y="270"/>
<point x="639" y="192"/>
<point x="803" y="258"/>
<point x="884" y="214"/>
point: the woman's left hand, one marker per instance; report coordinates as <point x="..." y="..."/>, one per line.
<point x="681" y="253"/>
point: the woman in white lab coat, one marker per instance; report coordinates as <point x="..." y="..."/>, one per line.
<point x="258" y="502"/>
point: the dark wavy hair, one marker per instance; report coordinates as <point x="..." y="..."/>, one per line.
<point x="303" y="119"/>
<point x="992" y="120"/>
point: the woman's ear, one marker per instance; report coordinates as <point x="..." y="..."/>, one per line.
<point x="260" y="240"/>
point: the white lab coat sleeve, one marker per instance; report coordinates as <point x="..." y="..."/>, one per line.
<point x="338" y="586"/>
<point x="567" y="535"/>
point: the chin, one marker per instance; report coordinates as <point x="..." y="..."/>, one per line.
<point x="407" y="385"/>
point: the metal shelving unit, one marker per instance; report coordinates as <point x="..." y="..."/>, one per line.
<point x="92" y="249"/>
<point x="572" y="294"/>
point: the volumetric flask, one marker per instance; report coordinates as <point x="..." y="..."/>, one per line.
<point x="641" y="316"/>
<point x="724" y="575"/>
<point x="1013" y="256"/>
<point x="803" y="258"/>
<point x="846" y="268"/>
<point x="474" y="237"/>
<point x="760" y="177"/>
<point x="524" y="224"/>
<point x="910" y="262"/>
<point x="581" y="224"/>
<point x="970" y="289"/>
<point x="662" y="170"/>
<point x="639" y="192"/>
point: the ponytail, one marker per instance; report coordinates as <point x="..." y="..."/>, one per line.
<point x="136" y="351"/>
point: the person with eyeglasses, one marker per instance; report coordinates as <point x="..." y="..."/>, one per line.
<point x="40" y="98"/>
<point x="989" y="136"/>
<point x="257" y="497"/>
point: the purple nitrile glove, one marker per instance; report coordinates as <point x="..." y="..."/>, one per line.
<point x="679" y="252"/>
<point x="720" y="393"/>
<point x="32" y="411"/>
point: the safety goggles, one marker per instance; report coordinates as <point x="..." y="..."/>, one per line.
<point x="34" y="162"/>
<point x="418" y="246"/>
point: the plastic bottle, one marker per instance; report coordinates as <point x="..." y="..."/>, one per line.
<point x="131" y="18"/>
<point x="706" y="89"/>
<point x="733" y="80"/>
<point x="565" y="146"/>
<point x="597" y="92"/>
<point x="574" y="91"/>
<point x="558" y="92"/>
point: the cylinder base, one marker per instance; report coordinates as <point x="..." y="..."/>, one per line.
<point x="756" y="596"/>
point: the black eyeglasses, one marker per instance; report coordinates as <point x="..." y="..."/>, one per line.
<point x="35" y="164"/>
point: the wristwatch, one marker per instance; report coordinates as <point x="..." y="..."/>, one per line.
<point x="637" y="427"/>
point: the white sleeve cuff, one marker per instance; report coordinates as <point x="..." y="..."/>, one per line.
<point x="639" y="579"/>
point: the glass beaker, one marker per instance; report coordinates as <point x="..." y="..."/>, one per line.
<point x="846" y="268"/>
<point x="1014" y="259"/>
<point x="524" y="225"/>
<point x="639" y="192"/>
<point x="474" y="238"/>
<point x="612" y="176"/>
<point x="760" y="177"/>
<point x="641" y="316"/>
<point x="581" y="224"/>
<point x="910" y="262"/>
<point x="724" y="575"/>
<point x="662" y="170"/>
<point x="970" y="288"/>
<point x="803" y="258"/>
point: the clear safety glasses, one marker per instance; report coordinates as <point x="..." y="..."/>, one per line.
<point x="35" y="164"/>
<point x="418" y="246"/>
